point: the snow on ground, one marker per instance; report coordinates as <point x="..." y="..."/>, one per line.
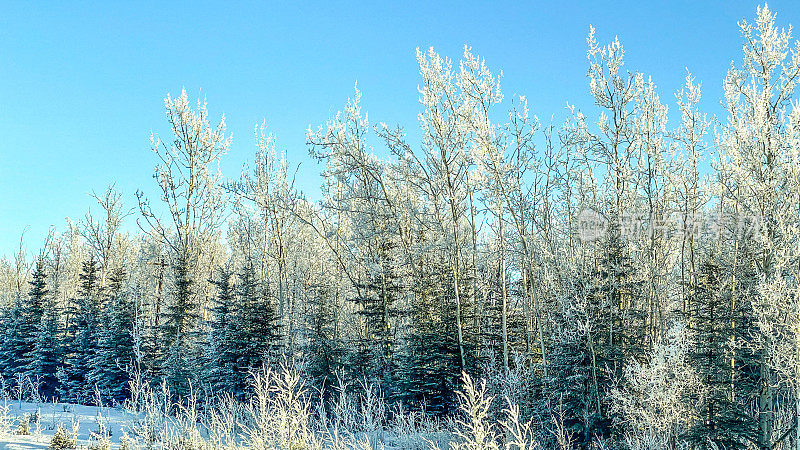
<point x="89" y="419"/>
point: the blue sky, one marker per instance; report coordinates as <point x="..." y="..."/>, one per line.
<point x="82" y="83"/>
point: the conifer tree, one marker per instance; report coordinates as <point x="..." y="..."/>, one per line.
<point x="259" y="329"/>
<point x="48" y="354"/>
<point x="600" y="329"/>
<point x="114" y="354"/>
<point x="8" y="338"/>
<point x="431" y="368"/>
<point x="179" y="332"/>
<point x="378" y="307"/>
<point x="322" y="348"/>
<point x="221" y="342"/>
<point x="28" y="323"/>
<point x="81" y="340"/>
<point x="13" y="345"/>
<point x="725" y="368"/>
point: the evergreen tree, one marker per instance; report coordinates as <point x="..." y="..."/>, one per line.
<point x="600" y="329"/>
<point x="82" y="332"/>
<point x="431" y="366"/>
<point x="151" y="327"/>
<point x="725" y="368"/>
<point x="259" y="332"/>
<point x="322" y="347"/>
<point x="573" y="386"/>
<point x="221" y="343"/>
<point x="376" y="348"/>
<point x="244" y="335"/>
<point x="10" y="339"/>
<point x="48" y="354"/>
<point x="179" y="332"/>
<point x="28" y="323"/>
<point x="114" y="354"/>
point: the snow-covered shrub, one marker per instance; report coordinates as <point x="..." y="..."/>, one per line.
<point x="564" y="437"/>
<point x="651" y="400"/>
<point x="149" y="411"/>
<point x="24" y="425"/>
<point x="519" y="434"/>
<point x="6" y="421"/>
<point x="100" y="444"/>
<point x="224" y="422"/>
<point x="125" y="443"/>
<point x="100" y="439"/>
<point x="280" y="412"/>
<point x="63" y="440"/>
<point x="475" y="429"/>
<point x="515" y="384"/>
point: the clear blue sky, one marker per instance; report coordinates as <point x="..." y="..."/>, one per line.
<point x="82" y="83"/>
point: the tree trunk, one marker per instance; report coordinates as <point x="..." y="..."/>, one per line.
<point x="505" y="296"/>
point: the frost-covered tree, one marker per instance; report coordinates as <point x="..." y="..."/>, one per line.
<point x="189" y="182"/>
<point x="188" y="178"/>
<point x="626" y="293"/>
<point x="651" y="403"/>
<point x="268" y="192"/>
<point x="599" y="334"/>
<point x="103" y="234"/>
<point x="757" y="164"/>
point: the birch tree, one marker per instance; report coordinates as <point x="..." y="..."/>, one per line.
<point x="756" y="149"/>
<point x="189" y="182"/>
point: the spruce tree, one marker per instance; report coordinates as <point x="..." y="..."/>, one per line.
<point x="10" y="340"/>
<point x="179" y="332"/>
<point x="221" y="343"/>
<point x="114" y="353"/>
<point x="573" y="385"/>
<point x="82" y="332"/>
<point x="48" y="354"/>
<point x="601" y="329"/>
<point x="322" y="347"/>
<point x="374" y="354"/>
<point x="430" y="372"/>
<point x="259" y="334"/>
<point x="725" y="368"/>
<point x="29" y="323"/>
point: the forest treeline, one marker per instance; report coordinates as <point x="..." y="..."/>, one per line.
<point x="632" y="272"/>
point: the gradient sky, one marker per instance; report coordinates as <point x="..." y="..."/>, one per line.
<point x="82" y="83"/>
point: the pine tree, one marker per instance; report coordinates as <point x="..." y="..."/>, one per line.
<point x="28" y="324"/>
<point x="115" y="347"/>
<point x="725" y="368"/>
<point x="179" y="332"/>
<point x="82" y="332"/>
<point x="375" y="350"/>
<point x="259" y="332"/>
<point x="221" y="342"/>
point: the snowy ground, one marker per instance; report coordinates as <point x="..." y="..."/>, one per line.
<point x="89" y="420"/>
